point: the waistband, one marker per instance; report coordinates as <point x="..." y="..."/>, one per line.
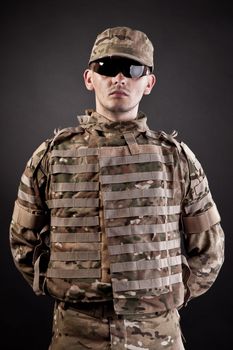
<point x="105" y="309"/>
<point x="98" y="309"/>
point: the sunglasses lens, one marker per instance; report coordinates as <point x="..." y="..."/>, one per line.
<point x="110" y="67"/>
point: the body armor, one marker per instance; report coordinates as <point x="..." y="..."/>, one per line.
<point x="118" y="197"/>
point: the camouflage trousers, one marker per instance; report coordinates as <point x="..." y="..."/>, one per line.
<point x="75" y="329"/>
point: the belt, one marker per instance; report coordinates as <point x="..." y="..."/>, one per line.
<point x="98" y="309"/>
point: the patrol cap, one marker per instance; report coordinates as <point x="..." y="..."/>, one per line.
<point x="123" y="42"/>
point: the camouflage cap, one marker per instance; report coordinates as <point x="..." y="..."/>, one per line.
<point x="124" y="42"/>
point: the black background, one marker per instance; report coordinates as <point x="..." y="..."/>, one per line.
<point x="45" y="46"/>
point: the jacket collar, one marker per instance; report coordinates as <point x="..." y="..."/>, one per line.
<point x="94" y="120"/>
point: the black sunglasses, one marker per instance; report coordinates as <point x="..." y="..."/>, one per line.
<point x="111" y="66"/>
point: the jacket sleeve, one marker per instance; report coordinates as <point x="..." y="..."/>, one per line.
<point x="203" y="234"/>
<point x="29" y="223"/>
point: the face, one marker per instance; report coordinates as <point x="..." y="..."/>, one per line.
<point x="118" y="97"/>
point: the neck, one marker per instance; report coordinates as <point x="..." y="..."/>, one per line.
<point x="118" y="115"/>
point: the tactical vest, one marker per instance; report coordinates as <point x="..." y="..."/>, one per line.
<point x="115" y="201"/>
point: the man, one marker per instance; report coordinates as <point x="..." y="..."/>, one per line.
<point x="102" y="210"/>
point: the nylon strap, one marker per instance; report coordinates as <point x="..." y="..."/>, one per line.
<point x="74" y="169"/>
<point x="73" y="237"/>
<point x="80" y="273"/>
<point x="73" y="203"/>
<point x="131" y="142"/>
<point x="123" y="151"/>
<point x="81" y="221"/>
<point x="75" y="187"/>
<point x="73" y="153"/>
<point x="141" y="211"/>
<point x="146" y="264"/>
<point x="143" y="247"/>
<point x="134" y="177"/>
<point x="26" y="219"/>
<point x="138" y="158"/>
<point x="120" y="286"/>
<point x="141" y="229"/>
<point x="201" y="222"/>
<point x="138" y="193"/>
<point x="74" y="256"/>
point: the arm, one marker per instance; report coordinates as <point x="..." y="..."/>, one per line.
<point x="30" y="219"/>
<point x="203" y="234"/>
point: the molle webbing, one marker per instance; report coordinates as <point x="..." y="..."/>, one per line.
<point x="142" y="193"/>
<point x="75" y="237"/>
<point x="75" y="186"/>
<point x="141" y="211"/>
<point x="73" y="203"/>
<point x="140" y="215"/>
<point x="72" y="256"/>
<point x="135" y="177"/>
<point x="80" y="273"/>
<point x="142" y="229"/>
<point x="142" y="245"/>
<point x="146" y="264"/>
<point x="80" y="221"/>
<point x="121" y="286"/>
<point x="74" y="169"/>
<point x="75" y="234"/>
<point x="201" y="222"/>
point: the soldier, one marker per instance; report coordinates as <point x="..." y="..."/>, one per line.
<point x="103" y="208"/>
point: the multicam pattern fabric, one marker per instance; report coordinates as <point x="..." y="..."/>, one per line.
<point x="161" y="332"/>
<point x="101" y="212"/>
<point x="124" y="42"/>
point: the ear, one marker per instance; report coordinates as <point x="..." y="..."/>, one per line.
<point x="87" y="76"/>
<point x="151" y="80"/>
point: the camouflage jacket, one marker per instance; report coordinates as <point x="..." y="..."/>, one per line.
<point x="113" y="210"/>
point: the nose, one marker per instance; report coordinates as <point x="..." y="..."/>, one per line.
<point x="119" y="79"/>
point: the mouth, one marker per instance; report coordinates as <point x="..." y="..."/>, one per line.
<point x="118" y="93"/>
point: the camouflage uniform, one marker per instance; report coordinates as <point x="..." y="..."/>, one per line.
<point x="101" y="212"/>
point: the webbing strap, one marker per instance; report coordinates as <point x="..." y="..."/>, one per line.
<point x="81" y="221"/>
<point x="133" y="177"/>
<point x="199" y="204"/>
<point x="26" y="197"/>
<point x="134" y="159"/>
<point x="201" y="222"/>
<point x="72" y="237"/>
<point x="146" y="264"/>
<point x="123" y="151"/>
<point x="80" y="273"/>
<point x="75" y="187"/>
<point x="141" y="229"/>
<point x="120" y="286"/>
<point x="74" y="169"/>
<point x="138" y="193"/>
<point x="73" y="153"/>
<point x="141" y="211"/>
<point x="73" y="203"/>
<point x="26" y="219"/>
<point x="143" y="247"/>
<point x="74" y="256"/>
<point x="131" y="142"/>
